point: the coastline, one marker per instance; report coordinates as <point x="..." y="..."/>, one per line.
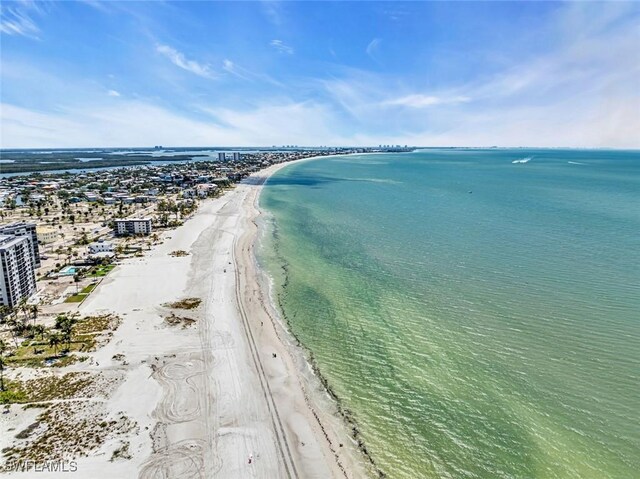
<point x="228" y="397"/>
<point x="297" y="388"/>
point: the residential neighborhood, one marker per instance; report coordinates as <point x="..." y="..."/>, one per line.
<point x="61" y="233"/>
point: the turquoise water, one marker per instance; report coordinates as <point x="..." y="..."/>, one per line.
<point x="67" y="271"/>
<point x="477" y="318"/>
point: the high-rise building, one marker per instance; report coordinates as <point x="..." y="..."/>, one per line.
<point x="222" y="156"/>
<point x="17" y="277"/>
<point x="236" y="156"/>
<point x="28" y="230"/>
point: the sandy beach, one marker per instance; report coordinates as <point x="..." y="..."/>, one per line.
<point x="228" y="397"/>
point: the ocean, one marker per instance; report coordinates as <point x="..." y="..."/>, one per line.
<point x="476" y="311"/>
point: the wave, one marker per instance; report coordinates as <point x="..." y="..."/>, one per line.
<point x="523" y="160"/>
<point x="575" y="163"/>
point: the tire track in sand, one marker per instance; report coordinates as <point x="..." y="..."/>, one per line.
<point x="278" y="428"/>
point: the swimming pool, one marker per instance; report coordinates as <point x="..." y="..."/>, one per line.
<point x="67" y="271"/>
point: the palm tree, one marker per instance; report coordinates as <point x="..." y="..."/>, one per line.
<point x="3" y="348"/>
<point x="39" y="330"/>
<point x="34" y="312"/>
<point x="24" y="308"/>
<point x="54" y="342"/>
<point x="65" y="324"/>
<point x="15" y="326"/>
<point x="66" y="338"/>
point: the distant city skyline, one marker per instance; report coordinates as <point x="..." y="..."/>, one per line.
<point x="128" y="74"/>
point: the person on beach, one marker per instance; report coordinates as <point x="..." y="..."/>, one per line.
<point x="250" y="458"/>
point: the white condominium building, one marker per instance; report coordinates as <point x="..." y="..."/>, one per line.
<point x="17" y="277"/>
<point x="28" y="230"/>
<point x="140" y="226"/>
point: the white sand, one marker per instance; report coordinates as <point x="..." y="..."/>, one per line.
<point x="217" y="396"/>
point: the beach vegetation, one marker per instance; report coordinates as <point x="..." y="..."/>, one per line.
<point x="69" y="429"/>
<point x="54" y="346"/>
<point x="121" y="453"/>
<point x="187" y="303"/>
<point x="101" y="271"/>
<point x="3" y="348"/>
<point x="175" y="320"/>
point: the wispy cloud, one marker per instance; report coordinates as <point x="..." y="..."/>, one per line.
<point x="179" y="59"/>
<point x="273" y="12"/>
<point x="246" y="74"/>
<point x="137" y="123"/>
<point x="282" y="47"/>
<point x="113" y="93"/>
<point x="425" y="101"/>
<point x="231" y="67"/>
<point x="97" y="4"/>
<point x="373" y="47"/>
<point x="16" y="18"/>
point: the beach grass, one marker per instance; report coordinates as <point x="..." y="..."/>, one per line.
<point x="187" y="303"/>
<point x="89" y="288"/>
<point x="101" y="271"/>
<point x="76" y="298"/>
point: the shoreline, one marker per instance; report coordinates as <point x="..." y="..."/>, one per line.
<point x="323" y="405"/>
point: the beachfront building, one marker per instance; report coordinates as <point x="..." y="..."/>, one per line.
<point x="46" y="235"/>
<point x="100" y="247"/>
<point x="205" y="189"/>
<point x="28" y="230"/>
<point x="222" y="156"/>
<point x="138" y="226"/>
<point x="17" y="277"/>
<point x="236" y="156"/>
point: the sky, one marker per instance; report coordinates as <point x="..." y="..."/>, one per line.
<point x="117" y="74"/>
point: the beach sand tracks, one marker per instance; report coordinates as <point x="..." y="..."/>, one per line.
<point x="181" y="377"/>
<point x="184" y="459"/>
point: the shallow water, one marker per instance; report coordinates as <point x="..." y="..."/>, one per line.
<point x="479" y="318"/>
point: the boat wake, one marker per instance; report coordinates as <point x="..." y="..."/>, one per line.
<point x="523" y="160"/>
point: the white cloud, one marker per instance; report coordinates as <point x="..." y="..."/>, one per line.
<point x="305" y="123"/>
<point x="424" y="101"/>
<point x="113" y="93"/>
<point x="373" y="47"/>
<point x="282" y="47"/>
<point x="16" y="18"/>
<point x="137" y="123"/>
<point x="230" y="67"/>
<point x="179" y="59"/>
<point x="246" y="74"/>
<point x="128" y="124"/>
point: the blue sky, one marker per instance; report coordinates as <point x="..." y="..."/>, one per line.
<point x="89" y="73"/>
